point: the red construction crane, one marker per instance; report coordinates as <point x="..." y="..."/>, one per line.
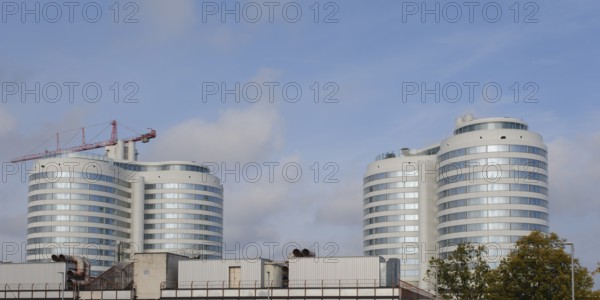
<point x="144" y="138"/>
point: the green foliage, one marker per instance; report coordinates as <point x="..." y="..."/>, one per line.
<point x="539" y="268"/>
<point x="462" y="275"/>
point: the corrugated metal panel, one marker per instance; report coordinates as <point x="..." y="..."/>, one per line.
<point x="335" y="271"/>
<point x="215" y="273"/>
<point x="28" y="273"/>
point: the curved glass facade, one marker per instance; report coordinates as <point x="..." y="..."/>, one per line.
<point x="492" y="185"/>
<point x="171" y="207"/>
<point x="488" y="183"/>
<point x="489" y="126"/>
<point x="394" y="208"/>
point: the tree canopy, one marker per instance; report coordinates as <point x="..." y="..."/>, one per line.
<point x="462" y="274"/>
<point x="538" y="268"/>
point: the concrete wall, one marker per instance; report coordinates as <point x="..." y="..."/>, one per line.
<point x="151" y="270"/>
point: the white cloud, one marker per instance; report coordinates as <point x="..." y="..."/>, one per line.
<point x="574" y="204"/>
<point x="574" y="174"/>
<point x="237" y="136"/>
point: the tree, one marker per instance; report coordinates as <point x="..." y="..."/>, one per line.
<point x="462" y="275"/>
<point x="539" y="268"/>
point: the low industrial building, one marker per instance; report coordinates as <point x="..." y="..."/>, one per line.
<point x="171" y="276"/>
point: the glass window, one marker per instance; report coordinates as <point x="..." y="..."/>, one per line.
<point x="499" y="213"/>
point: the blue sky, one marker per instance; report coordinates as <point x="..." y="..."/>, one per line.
<point x="361" y="52"/>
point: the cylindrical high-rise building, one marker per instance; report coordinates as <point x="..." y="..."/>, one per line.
<point x="101" y="206"/>
<point x="492" y="186"/>
<point x="487" y="184"/>
<point x="399" y="209"/>
<point x="183" y="210"/>
<point x="77" y="206"/>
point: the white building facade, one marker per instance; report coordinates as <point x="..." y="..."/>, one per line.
<point x="486" y="184"/>
<point x="398" y="212"/>
<point x="102" y="206"/>
<point x="493" y="185"/>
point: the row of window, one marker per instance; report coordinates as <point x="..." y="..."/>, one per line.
<point x="185" y="186"/>
<point x="388" y="229"/>
<point x="100" y="263"/>
<point x="392" y="240"/>
<point x="390" y="207"/>
<point x="185" y="246"/>
<point x="514" y="162"/>
<point x="184" y="236"/>
<point x="67" y="239"/>
<point x="392" y="174"/>
<point x="170" y="167"/>
<point x="88" y="251"/>
<point x="88" y="177"/>
<point x="493" y="200"/>
<point x="81" y="186"/>
<point x="391" y="251"/>
<point x="184" y="217"/>
<point x="184" y="206"/>
<point x="492" y="148"/>
<point x="492" y="226"/>
<point x="494" y="176"/>
<point x="184" y="226"/>
<point x="69" y="218"/>
<point x="493" y="187"/>
<point x="390" y="185"/>
<point x="183" y="196"/>
<point x="90" y="197"/>
<point x="78" y="207"/>
<point x="84" y="229"/>
<point x="391" y="196"/>
<point x="393" y="218"/>
<point x="492" y="213"/>
<point x="490" y="125"/>
<point x="479" y="240"/>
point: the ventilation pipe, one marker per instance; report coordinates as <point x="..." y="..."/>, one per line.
<point x="82" y="270"/>
<point x="302" y="253"/>
<point x="297" y="253"/>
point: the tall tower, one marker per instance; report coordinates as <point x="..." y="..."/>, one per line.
<point x="492" y="186"/>
<point x="399" y="209"/>
<point x="94" y="205"/>
<point x="486" y="184"/>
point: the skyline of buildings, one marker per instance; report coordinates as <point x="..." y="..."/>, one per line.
<point x="486" y="184"/>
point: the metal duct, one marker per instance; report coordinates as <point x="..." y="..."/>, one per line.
<point x="86" y="273"/>
<point x="308" y="253"/>
<point x="82" y="270"/>
<point x="297" y="253"/>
